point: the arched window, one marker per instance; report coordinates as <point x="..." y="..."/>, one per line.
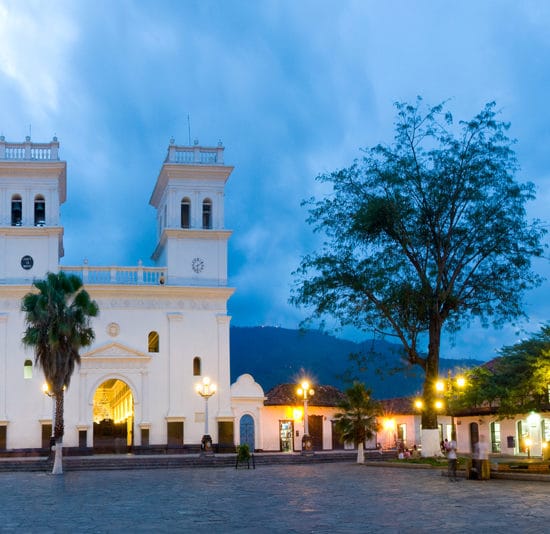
<point x="207" y="214"/>
<point x="27" y="369"/>
<point x="196" y="366"/>
<point x="16" y="211"/>
<point x="153" y="341"/>
<point x="39" y="211"/>
<point x="186" y="213"/>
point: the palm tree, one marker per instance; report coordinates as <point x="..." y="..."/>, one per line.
<point x="357" y="421"/>
<point x="57" y="319"/>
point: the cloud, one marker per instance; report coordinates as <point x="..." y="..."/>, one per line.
<point x="35" y="47"/>
<point x="293" y="89"/>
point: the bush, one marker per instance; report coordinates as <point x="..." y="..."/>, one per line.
<point x="243" y="452"/>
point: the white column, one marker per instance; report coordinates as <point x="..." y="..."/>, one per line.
<point x="5" y="207"/>
<point x="85" y="415"/>
<point x="174" y="341"/>
<point x="171" y="219"/>
<point x="219" y="210"/>
<point x="3" y="364"/>
<point x="28" y="208"/>
<point x="3" y="257"/>
<point x="221" y="244"/>
<point x="224" y="377"/>
<point x="144" y="400"/>
<point x="196" y="210"/>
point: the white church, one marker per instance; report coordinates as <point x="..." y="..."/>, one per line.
<point x="161" y="330"/>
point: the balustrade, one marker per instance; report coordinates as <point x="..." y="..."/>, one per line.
<point x="195" y="155"/>
<point x="118" y="275"/>
<point x="28" y="151"/>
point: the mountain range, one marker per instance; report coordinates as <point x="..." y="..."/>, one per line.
<point x="276" y="356"/>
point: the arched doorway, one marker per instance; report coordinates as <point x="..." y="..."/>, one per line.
<point x="113" y="414"/>
<point x="247" y="431"/>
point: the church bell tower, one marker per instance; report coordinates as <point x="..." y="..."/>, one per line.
<point x="189" y="199"/>
<point x="32" y="189"/>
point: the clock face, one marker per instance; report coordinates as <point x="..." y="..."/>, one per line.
<point x="27" y="262"/>
<point x="197" y="265"/>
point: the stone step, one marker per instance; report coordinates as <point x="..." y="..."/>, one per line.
<point x="130" y="461"/>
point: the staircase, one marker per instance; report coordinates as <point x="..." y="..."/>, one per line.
<point x="130" y="461"/>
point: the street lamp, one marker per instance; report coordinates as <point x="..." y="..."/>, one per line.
<point x="206" y="389"/>
<point x="304" y="392"/>
<point x="450" y="388"/>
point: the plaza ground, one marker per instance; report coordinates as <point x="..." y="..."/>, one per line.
<point x="324" y="498"/>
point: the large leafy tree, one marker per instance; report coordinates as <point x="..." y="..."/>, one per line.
<point x="425" y="234"/>
<point x="357" y="420"/>
<point x="516" y="382"/>
<point x="57" y="316"/>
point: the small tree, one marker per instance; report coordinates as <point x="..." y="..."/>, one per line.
<point x="357" y="421"/>
<point x="423" y="235"/>
<point x="58" y="325"/>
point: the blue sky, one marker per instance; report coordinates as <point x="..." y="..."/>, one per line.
<point x="292" y="88"/>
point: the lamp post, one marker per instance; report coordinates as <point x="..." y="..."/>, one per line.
<point x="206" y="389"/>
<point x="304" y="392"/>
<point x="450" y="389"/>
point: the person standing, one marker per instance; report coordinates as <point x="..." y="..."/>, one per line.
<point x="480" y="458"/>
<point x="452" y="460"/>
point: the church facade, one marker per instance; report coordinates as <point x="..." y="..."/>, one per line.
<point x="161" y="330"/>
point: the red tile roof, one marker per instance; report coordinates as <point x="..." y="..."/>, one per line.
<point x="399" y="406"/>
<point x="285" y="395"/>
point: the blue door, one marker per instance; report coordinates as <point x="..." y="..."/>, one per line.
<point x="247" y="431"/>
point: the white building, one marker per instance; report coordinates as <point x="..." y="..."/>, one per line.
<point x="160" y="329"/>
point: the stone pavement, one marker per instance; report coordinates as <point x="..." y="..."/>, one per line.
<point x="320" y="498"/>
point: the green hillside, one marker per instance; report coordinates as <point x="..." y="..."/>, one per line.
<point x="278" y="355"/>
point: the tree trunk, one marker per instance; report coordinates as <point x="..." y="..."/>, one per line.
<point x="429" y="413"/>
<point x="58" y="458"/>
<point x="58" y="433"/>
<point x="431" y="445"/>
<point x="360" y="453"/>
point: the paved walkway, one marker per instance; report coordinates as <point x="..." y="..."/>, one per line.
<point x="320" y="498"/>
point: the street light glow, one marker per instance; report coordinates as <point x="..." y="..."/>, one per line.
<point x="205" y="388"/>
<point x="305" y="391"/>
<point x="389" y="424"/>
